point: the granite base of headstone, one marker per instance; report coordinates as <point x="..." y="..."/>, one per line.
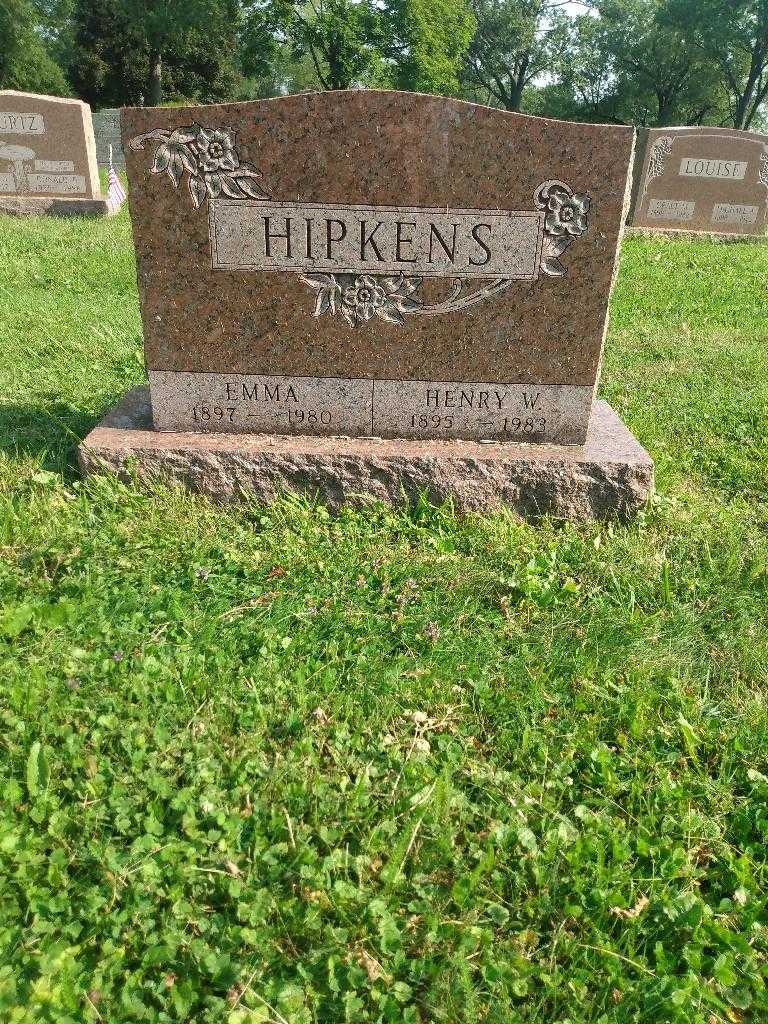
<point x="48" y="157"/>
<point x="609" y="476"/>
<point x="373" y="294"/>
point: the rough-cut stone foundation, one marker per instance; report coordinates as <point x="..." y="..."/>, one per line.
<point x="611" y="475"/>
<point x="673" y="234"/>
<point x="53" y="206"/>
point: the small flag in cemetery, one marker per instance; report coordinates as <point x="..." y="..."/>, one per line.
<point x="115" y="191"/>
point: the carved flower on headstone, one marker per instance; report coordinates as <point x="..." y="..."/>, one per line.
<point x="360" y="297"/>
<point x="364" y="297"/>
<point x="566" y="213"/>
<point x="565" y="219"/>
<point x="215" y="149"/>
<point x="210" y="160"/>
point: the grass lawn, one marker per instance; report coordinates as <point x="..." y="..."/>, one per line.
<point x="269" y="765"/>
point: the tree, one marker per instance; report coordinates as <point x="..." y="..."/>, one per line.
<point x="585" y="85"/>
<point x="732" y="34"/>
<point x="512" y="47"/>
<point x="122" y="57"/>
<point x="661" y="74"/>
<point x="425" y="42"/>
<point x="25" y="61"/>
<point x="110" y="65"/>
<point x="166" y="26"/>
<point x="337" y="36"/>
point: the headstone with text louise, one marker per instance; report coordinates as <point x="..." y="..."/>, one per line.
<point x="374" y="265"/>
<point x="47" y="156"/>
<point x="712" y="180"/>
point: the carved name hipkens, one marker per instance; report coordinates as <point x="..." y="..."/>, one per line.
<point x="366" y="261"/>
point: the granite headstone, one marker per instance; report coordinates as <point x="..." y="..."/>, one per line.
<point x="106" y="130"/>
<point x="375" y="265"/>
<point x="712" y="180"/>
<point x="47" y="156"/>
<point x="369" y="263"/>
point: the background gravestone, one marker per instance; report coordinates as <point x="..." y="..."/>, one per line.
<point x="372" y="264"/>
<point x="711" y="180"/>
<point x="106" y="130"/>
<point x="47" y="156"/>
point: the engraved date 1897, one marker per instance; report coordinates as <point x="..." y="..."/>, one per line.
<point x="214" y="413"/>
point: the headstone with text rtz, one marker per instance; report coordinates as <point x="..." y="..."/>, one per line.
<point x="47" y="156"/>
<point x="712" y="180"/>
<point x="376" y="265"/>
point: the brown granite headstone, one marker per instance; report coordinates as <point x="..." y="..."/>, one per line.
<point x="47" y="155"/>
<point x="374" y="264"/>
<point x="705" y="179"/>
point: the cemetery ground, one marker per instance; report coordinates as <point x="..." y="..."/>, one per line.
<point x="271" y="764"/>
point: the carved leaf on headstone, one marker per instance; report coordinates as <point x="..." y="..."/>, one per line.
<point x="175" y="170"/>
<point x="197" y="190"/>
<point x="660" y="150"/>
<point x="210" y="159"/>
<point x="161" y="161"/>
<point x="763" y="172"/>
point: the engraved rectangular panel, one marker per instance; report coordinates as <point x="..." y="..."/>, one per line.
<point x="238" y="404"/>
<point x="734" y="213"/>
<point x="323" y="238"/>
<point x="700" y="167"/>
<point x="57" y="184"/>
<point x="14" y="123"/>
<point x="533" y="413"/>
<point x="7" y="182"/>
<point x="57" y="166"/>
<point x="671" y="209"/>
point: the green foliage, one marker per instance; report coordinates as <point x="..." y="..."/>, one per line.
<point x="266" y="765"/>
<point x="661" y="74"/>
<point x="25" y="62"/>
<point x="128" y="51"/>
<point x="110" y="63"/>
<point x="406" y="44"/>
<point x="733" y="37"/>
<point x="338" y="36"/>
<point x="426" y="41"/>
<point x="645" y="62"/>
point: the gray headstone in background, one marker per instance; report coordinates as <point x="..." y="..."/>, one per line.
<point x="47" y="156"/>
<point x="701" y="179"/>
<point x="106" y="129"/>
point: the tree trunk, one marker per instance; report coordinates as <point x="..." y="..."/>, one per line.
<point x="155" y="92"/>
<point x="518" y="84"/>
<point x="665" y="109"/>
